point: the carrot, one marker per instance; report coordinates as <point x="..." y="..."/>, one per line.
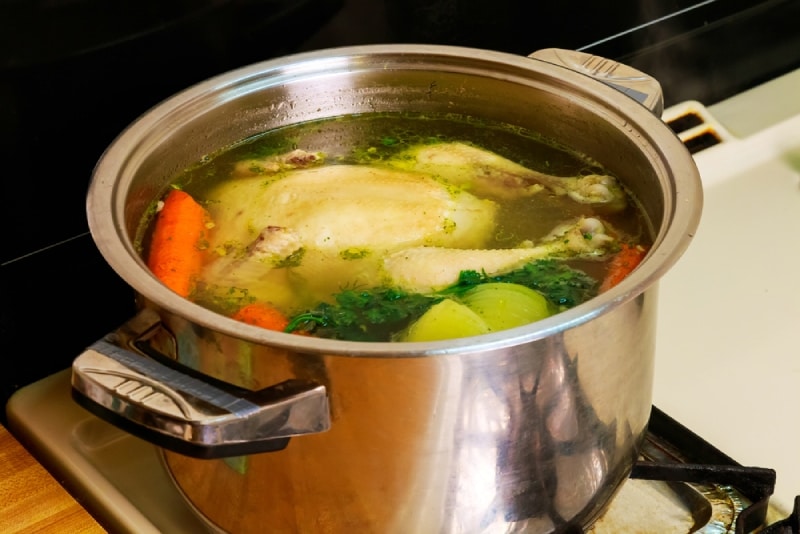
<point x="625" y="261"/>
<point x="175" y="255"/>
<point x="263" y="315"/>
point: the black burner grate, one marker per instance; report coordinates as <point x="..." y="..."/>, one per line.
<point x="701" y="463"/>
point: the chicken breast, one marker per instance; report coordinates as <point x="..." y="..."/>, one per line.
<point x="333" y="224"/>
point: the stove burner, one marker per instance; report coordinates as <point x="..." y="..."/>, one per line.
<point x="756" y="483"/>
<point x="700" y="463"/>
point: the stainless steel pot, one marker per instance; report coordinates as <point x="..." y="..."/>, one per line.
<point x="527" y="430"/>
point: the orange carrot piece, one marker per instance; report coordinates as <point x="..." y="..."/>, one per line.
<point x="263" y="315"/>
<point x="175" y="255"/>
<point x="625" y="261"/>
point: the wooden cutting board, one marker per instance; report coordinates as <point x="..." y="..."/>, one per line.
<point x="31" y="500"/>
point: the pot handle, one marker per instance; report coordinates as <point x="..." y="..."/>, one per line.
<point x="188" y="414"/>
<point x="641" y="87"/>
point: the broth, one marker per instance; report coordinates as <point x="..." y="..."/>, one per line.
<point x="305" y="217"/>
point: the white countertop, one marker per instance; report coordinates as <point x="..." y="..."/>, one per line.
<point x="728" y="342"/>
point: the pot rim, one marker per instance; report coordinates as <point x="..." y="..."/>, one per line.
<point x="107" y="192"/>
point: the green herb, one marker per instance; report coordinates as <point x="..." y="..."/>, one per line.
<point x="354" y="253"/>
<point x="224" y="300"/>
<point x="558" y="282"/>
<point x="364" y="315"/>
<point x="292" y="260"/>
<point x="377" y="314"/>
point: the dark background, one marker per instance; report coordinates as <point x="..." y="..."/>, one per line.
<point x="74" y="73"/>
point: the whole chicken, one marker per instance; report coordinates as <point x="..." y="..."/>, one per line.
<point x="291" y="230"/>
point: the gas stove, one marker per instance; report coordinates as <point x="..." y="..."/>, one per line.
<point x="726" y="360"/>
